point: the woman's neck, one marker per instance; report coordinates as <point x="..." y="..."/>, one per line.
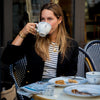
<point x="53" y="37"/>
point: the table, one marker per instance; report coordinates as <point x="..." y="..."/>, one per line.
<point x="60" y="95"/>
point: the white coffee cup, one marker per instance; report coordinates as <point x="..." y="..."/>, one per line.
<point x="43" y="28"/>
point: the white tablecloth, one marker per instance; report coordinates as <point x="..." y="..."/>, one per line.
<point x="60" y="95"/>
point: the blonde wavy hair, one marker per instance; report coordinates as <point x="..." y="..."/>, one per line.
<point x="42" y="44"/>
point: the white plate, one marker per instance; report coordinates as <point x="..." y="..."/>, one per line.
<point x="93" y="89"/>
<point x="80" y="80"/>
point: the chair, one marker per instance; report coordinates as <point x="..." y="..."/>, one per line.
<point x="93" y="50"/>
<point x="83" y="60"/>
<point x="17" y="71"/>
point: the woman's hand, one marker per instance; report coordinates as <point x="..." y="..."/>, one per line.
<point x="29" y="28"/>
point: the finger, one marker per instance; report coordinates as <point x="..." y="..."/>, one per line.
<point x="32" y="25"/>
<point x="33" y="31"/>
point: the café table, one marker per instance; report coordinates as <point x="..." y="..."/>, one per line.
<point x="60" y="95"/>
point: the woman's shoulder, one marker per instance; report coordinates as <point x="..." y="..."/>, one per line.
<point x="72" y="42"/>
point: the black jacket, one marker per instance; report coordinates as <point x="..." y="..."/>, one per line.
<point x="35" y="64"/>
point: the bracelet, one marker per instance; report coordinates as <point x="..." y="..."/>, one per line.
<point x="21" y="35"/>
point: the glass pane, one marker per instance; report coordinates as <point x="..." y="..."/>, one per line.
<point x="92" y="18"/>
<point x="20" y="17"/>
<point x="68" y="10"/>
<point x="33" y="9"/>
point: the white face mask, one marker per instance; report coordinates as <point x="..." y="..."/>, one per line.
<point x="43" y="28"/>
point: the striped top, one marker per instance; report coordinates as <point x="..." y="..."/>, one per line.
<point x="51" y="65"/>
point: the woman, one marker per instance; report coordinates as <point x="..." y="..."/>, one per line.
<point x="47" y="57"/>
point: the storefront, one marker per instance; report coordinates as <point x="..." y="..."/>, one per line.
<point x="15" y="16"/>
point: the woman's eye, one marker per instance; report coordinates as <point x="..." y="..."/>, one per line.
<point x="42" y="19"/>
<point x="49" y="18"/>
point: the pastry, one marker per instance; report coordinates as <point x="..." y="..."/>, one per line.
<point x="61" y="82"/>
<point x="72" y="81"/>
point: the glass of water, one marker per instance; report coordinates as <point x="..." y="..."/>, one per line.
<point x="49" y="90"/>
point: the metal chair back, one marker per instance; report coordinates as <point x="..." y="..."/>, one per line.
<point x="17" y="71"/>
<point x="93" y="50"/>
<point x="83" y="60"/>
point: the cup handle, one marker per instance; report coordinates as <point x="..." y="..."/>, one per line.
<point x="36" y="27"/>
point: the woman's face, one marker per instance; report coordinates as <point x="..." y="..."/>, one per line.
<point x="49" y="17"/>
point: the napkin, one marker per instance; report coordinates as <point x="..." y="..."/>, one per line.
<point x="34" y="88"/>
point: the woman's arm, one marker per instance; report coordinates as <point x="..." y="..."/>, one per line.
<point x="29" y="28"/>
<point x="74" y="51"/>
<point x="15" y="49"/>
